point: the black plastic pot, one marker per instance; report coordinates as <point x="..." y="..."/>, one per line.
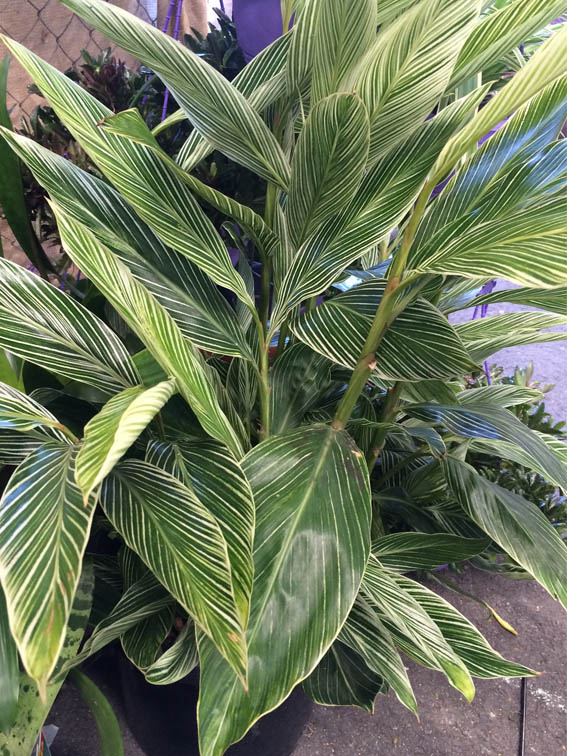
<point x="163" y="718"/>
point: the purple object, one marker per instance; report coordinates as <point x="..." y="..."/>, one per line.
<point x="258" y="23"/>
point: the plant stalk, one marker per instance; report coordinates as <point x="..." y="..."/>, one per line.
<point x="389" y="412"/>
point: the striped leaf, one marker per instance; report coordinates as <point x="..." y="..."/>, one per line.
<point x="343" y="31"/>
<point x="44" y="526"/>
<point x="15" y="446"/>
<point x="144" y="598"/>
<point x="185" y="291"/>
<point x="465" y="640"/>
<point x="177" y="661"/>
<point x="406" y="552"/>
<point x="497" y="33"/>
<point x="552" y="300"/>
<point x="343" y="679"/>
<point x="23" y="414"/>
<point x="298" y="380"/>
<point x="517" y="453"/>
<point x="545" y="66"/>
<point x="110" y="433"/>
<point x="152" y="324"/>
<point x="157" y="195"/>
<point x="299" y="63"/>
<point x="420" y="343"/>
<point x="494" y="423"/>
<point x="499" y="396"/>
<point x="216" y="109"/>
<point x="413" y="631"/>
<point x="177" y="537"/>
<point x="366" y="634"/>
<point x="9" y="671"/>
<point x="403" y="76"/>
<point x="42" y="325"/>
<point x="262" y="81"/>
<point x="387" y="192"/>
<point x="517" y="525"/>
<point x="218" y="481"/>
<point x="130" y="125"/>
<point x="299" y="527"/>
<point x="328" y="163"/>
<point x="389" y="10"/>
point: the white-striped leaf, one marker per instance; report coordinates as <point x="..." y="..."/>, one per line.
<point x="389" y="10"/>
<point x="187" y="293"/>
<point x="343" y="31"/>
<point x="156" y="194"/>
<point x="23" y="414"/>
<point x="386" y="193"/>
<point x="545" y="66"/>
<point x="153" y="325"/>
<point x="177" y="537"/>
<point x="406" y="552"/>
<point x="364" y="632"/>
<point x="343" y="679"/>
<point x="420" y="343"/>
<point x="262" y="81"/>
<point x="328" y="163"/>
<point x="143" y="599"/>
<point x="110" y="433"/>
<point x="299" y="527"/>
<point x="494" y="423"/>
<point x="497" y="33"/>
<point x="216" y="109"/>
<point x="42" y="325"/>
<point x="9" y="671"/>
<point x="218" y="481"/>
<point x="463" y="637"/>
<point x="499" y="396"/>
<point x="177" y="661"/>
<point x="412" y="629"/>
<point x="518" y="454"/>
<point x="44" y="526"/>
<point x="552" y="300"/>
<point x="403" y="76"/>
<point x="517" y="525"/>
<point x="15" y="446"/>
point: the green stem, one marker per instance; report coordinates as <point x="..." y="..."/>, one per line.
<point x="389" y="412"/>
<point x="367" y="362"/>
<point x="264" y="392"/>
<point x="67" y="432"/>
<point x="284" y="333"/>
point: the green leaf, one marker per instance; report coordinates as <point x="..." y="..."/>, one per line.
<point x="412" y="629"/>
<point x="552" y="300"/>
<point x="389" y="10"/>
<point x="153" y="325"/>
<point x="493" y="423"/>
<point x="46" y="327"/>
<point x="406" y="552"/>
<point x="216" y="109"/>
<point x="15" y="446"/>
<point x="420" y="343"/>
<point x="144" y="598"/>
<point x="343" y="32"/>
<point x="157" y="195"/>
<point x="9" y="671"/>
<point x="177" y="661"/>
<point x="343" y="679"/>
<point x="298" y="379"/>
<point x="218" y="481"/>
<point x="499" y="396"/>
<point x="405" y="73"/>
<point x="185" y="291"/>
<point x="32" y="711"/>
<point x="262" y="81"/>
<point x="293" y="621"/>
<point x="517" y="525"/>
<point x="543" y="68"/>
<point x="44" y="526"/>
<point x="328" y="163"/>
<point x="23" y="414"/>
<point x="465" y="640"/>
<point x="114" y="429"/>
<point x="499" y="32"/>
<point x="108" y="729"/>
<point x="177" y="537"/>
<point x="365" y="633"/>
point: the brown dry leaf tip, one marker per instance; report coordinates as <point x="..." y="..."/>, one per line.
<point x="357" y="453"/>
<point x="100" y="123"/>
<point x="234" y="637"/>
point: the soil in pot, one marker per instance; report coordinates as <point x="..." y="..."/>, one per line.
<point x="163" y="719"/>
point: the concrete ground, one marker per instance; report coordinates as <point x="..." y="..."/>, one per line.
<point x="448" y="726"/>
